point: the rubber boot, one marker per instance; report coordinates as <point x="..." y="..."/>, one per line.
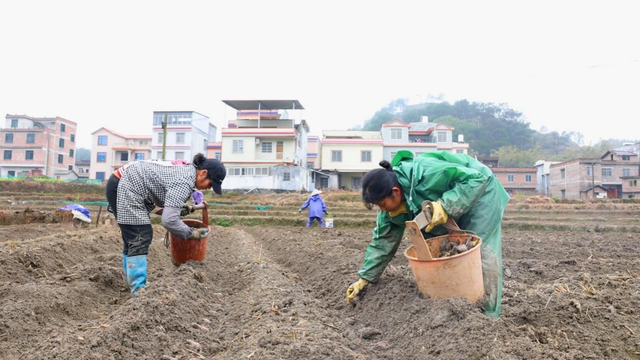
<point x="136" y="273"/>
<point x="124" y="265"/>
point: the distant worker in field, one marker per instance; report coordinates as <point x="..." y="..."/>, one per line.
<point x="134" y="190"/>
<point x="317" y="208"/>
<point x="459" y="187"/>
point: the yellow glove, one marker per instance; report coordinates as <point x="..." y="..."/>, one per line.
<point x="438" y="215"/>
<point x="355" y="289"/>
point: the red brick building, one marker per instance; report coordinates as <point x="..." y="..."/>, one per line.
<point x="36" y="146"/>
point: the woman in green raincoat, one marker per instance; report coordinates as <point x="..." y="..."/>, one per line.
<point x="459" y="187"/>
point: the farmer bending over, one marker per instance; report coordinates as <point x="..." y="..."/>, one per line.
<point x="135" y="189"/>
<point x="459" y="186"/>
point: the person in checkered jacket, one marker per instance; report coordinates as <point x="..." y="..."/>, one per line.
<point x="136" y="188"/>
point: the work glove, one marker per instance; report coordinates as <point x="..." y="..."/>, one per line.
<point x="197" y="197"/>
<point x="438" y="215"/>
<point x="326" y="213"/>
<point x="186" y="210"/>
<point x="355" y="289"/>
<point x="299" y="211"/>
<point x="199" y="233"/>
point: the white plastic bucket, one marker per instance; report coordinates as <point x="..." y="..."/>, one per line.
<point x="328" y="223"/>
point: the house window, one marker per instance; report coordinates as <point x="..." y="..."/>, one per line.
<point x="160" y="137"/>
<point x="336" y="155"/>
<point x="626" y="157"/>
<point x="70" y="167"/>
<point x="8" y="138"/>
<point x="179" y="138"/>
<point x="102" y="140"/>
<point x="139" y="156"/>
<point x="14" y="123"/>
<point x="442" y="136"/>
<point x="60" y="158"/>
<point x="179" y="155"/>
<point x="286" y="176"/>
<point x="100" y="175"/>
<point x="238" y="146"/>
<point x="101" y="157"/>
<point x="396" y="134"/>
<point x="159" y="155"/>
<point x="63" y="127"/>
<point x="7" y="154"/>
<point x="28" y="155"/>
<point x="365" y="156"/>
<point x="324" y="182"/>
<point x="124" y="156"/>
<point x="309" y="165"/>
<point x="630" y="182"/>
<point x="72" y="137"/>
<point x="355" y="182"/>
<point x="262" y="171"/>
<point x="393" y="154"/>
<point x="607" y="172"/>
<point x="458" y="151"/>
<point x="528" y="178"/>
<point x="510" y="178"/>
<point x="11" y="174"/>
<point x="31" y="138"/>
<point x="70" y="152"/>
<point x="267" y="147"/>
<point x="563" y="194"/>
<point x="589" y="170"/>
<point x="218" y="155"/>
<point x="562" y="173"/>
<point x="626" y="172"/>
<point x="61" y="143"/>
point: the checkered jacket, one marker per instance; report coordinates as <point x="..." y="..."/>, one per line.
<point x="147" y="184"/>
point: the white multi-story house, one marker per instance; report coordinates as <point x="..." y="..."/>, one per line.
<point x="420" y="137"/>
<point x="110" y="150"/>
<point x="347" y="156"/>
<point x="188" y="133"/>
<point x="264" y="147"/>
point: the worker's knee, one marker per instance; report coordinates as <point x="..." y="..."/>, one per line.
<point x="137" y="238"/>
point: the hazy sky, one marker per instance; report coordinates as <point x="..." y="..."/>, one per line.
<point x="567" y="65"/>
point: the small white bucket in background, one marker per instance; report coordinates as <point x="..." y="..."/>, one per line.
<point x="328" y="223"/>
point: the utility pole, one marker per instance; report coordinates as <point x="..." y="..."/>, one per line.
<point x="164" y="136"/>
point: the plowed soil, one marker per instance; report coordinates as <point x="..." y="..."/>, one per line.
<point x="279" y="293"/>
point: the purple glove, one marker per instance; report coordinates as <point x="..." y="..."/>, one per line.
<point x="197" y="197"/>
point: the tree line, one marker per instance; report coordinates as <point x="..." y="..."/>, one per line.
<point x="494" y="130"/>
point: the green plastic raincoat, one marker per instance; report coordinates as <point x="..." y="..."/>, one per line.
<point x="468" y="191"/>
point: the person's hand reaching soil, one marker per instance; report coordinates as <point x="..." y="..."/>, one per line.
<point x="354" y="290"/>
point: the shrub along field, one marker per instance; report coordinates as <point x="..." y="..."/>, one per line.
<point x="271" y="289"/>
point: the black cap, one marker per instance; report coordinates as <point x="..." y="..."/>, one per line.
<point x="216" y="172"/>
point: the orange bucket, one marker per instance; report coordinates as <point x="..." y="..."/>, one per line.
<point x="183" y="250"/>
<point x="459" y="275"/>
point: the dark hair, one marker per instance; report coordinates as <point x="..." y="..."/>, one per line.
<point x="198" y="161"/>
<point x="378" y="184"/>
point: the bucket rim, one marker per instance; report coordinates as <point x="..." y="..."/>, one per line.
<point x="406" y="253"/>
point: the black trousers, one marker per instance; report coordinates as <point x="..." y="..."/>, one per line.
<point x="135" y="238"/>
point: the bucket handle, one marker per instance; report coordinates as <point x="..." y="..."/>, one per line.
<point x="205" y="214"/>
<point x="453" y="228"/>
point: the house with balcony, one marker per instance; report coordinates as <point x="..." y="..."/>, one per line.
<point x="348" y="155"/>
<point x="543" y="169"/>
<point x="110" y="150"/>
<point x="37" y="146"/>
<point x="420" y="137"/>
<point x="187" y="133"/>
<point x="265" y="147"/>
